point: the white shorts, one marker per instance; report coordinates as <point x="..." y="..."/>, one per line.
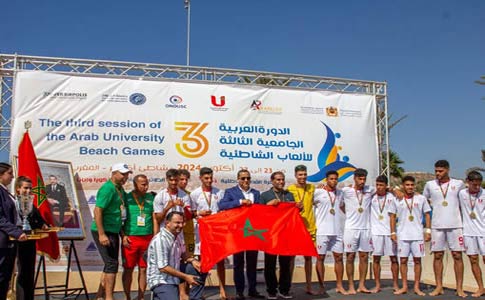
<point x="383" y="246"/>
<point x="357" y="240"/>
<point x="414" y="248"/>
<point x="327" y="243"/>
<point x="443" y="239"/>
<point x="474" y="245"/>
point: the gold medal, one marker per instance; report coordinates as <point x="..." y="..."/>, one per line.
<point x="332" y="211"/>
<point x="381" y="217"/>
<point x="473" y="215"/>
<point x="444" y="203"/>
<point x="360" y="210"/>
<point x="411" y="218"/>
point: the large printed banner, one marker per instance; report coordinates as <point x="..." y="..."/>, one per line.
<point x="156" y="125"/>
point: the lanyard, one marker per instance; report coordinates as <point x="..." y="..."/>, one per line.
<point x="140" y="206"/>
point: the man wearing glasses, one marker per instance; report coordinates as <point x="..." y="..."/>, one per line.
<point x="237" y="196"/>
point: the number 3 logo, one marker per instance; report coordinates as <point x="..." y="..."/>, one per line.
<point x="194" y="144"/>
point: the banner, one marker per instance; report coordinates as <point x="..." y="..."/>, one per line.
<point x="272" y="229"/>
<point x="94" y="122"/>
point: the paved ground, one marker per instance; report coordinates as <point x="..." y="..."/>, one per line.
<point x="298" y="291"/>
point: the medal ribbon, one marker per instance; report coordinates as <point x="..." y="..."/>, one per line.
<point x="304" y="192"/>
<point x="446" y="191"/>
<point x="410" y="207"/>
<point x="381" y="206"/>
<point x="278" y="196"/>
<point x="208" y="201"/>
<point x="332" y="201"/>
<point x="473" y="203"/>
<point x="361" y="199"/>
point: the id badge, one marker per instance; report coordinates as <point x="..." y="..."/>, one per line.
<point x="140" y="220"/>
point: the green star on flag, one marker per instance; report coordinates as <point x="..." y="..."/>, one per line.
<point x="250" y="231"/>
<point x="39" y="191"/>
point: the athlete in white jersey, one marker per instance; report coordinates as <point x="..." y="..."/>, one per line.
<point x="326" y="202"/>
<point x="205" y="201"/>
<point x="472" y="203"/>
<point x="381" y="232"/>
<point x="409" y="234"/>
<point x="356" y="206"/>
<point x="170" y="199"/>
<point x="446" y="225"/>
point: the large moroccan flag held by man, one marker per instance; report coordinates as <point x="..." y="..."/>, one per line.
<point x="272" y="229"/>
<point x="28" y="166"/>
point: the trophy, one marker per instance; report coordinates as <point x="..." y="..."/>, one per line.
<point x="25" y="203"/>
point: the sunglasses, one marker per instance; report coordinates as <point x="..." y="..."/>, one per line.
<point x="245" y="178"/>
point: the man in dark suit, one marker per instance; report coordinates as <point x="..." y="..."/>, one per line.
<point x="58" y="193"/>
<point x="237" y="196"/>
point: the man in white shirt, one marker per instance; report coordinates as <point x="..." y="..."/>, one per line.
<point x="409" y="234"/>
<point x="446" y="225"/>
<point x="205" y="201"/>
<point x="330" y="231"/>
<point x="381" y="232"/>
<point x="357" y="238"/>
<point x="472" y="203"/>
<point x="170" y="199"/>
<point x="163" y="259"/>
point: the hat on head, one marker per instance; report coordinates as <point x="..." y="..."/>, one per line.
<point x="120" y="167"/>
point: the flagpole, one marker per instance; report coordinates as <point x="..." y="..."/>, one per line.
<point x="187" y="7"/>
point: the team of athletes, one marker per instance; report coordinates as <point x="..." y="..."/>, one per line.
<point x="355" y="220"/>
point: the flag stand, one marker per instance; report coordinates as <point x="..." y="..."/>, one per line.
<point x="69" y="293"/>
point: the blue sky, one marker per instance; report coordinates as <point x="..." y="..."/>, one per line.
<point x="429" y="52"/>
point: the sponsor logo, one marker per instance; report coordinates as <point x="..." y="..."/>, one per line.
<point x="115" y="98"/>
<point x="92" y="200"/>
<point x="350" y="113"/>
<point x="312" y="110"/>
<point x="218" y="104"/>
<point x="332" y="111"/>
<point x="257" y="105"/>
<point x="69" y="96"/>
<point x="175" y="102"/>
<point x="138" y="99"/>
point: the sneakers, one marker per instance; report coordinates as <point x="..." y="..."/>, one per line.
<point x="285" y="296"/>
<point x="271" y="297"/>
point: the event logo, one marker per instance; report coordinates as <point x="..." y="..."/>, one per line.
<point x="329" y="159"/>
<point x="175" y="102"/>
<point x="194" y="144"/>
<point x="137" y="99"/>
<point x="332" y="111"/>
<point x="218" y="106"/>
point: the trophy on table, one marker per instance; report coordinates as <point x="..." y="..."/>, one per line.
<point x="25" y="203"/>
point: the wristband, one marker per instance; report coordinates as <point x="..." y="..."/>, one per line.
<point x="393" y="233"/>
<point x="427" y="230"/>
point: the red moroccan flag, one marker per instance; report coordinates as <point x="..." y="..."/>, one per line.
<point x="28" y="166"/>
<point x="272" y="229"/>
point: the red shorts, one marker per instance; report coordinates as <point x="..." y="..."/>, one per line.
<point x="133" y="255"/>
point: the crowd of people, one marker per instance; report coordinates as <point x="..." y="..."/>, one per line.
<point x="159" y="233"/>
